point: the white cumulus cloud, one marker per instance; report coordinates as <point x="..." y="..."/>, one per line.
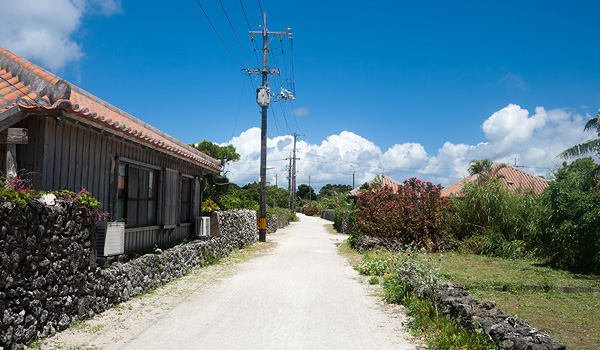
<point x="511" y="134"/>
<point x="43" y="31"/>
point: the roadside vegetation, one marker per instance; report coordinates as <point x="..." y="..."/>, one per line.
<point x="570" y="317"/>
<point x="509" y="246"/>
<point x="407" y="277"/>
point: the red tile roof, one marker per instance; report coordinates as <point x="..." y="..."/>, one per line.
<point x="385" y="181"/>
<point x="26" y="86"/>
<point x="510" y="176"/>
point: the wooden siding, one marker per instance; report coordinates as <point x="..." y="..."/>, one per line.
<point x="69" y="155"/>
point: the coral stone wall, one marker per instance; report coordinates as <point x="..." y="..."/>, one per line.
<point x="511" y="333"/>
<point x="327" y="214"/>
<point x="49" y="277"/>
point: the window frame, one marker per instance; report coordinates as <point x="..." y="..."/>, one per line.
<point x="187" y="218"/>
<point x="142" y="199"/>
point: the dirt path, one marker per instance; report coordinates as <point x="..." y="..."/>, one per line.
<point x="300" y="295"/>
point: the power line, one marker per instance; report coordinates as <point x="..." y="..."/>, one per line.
<point x="213" y="27"/>
<point x="250" y="29"/>
<point x="260" y="14"/>
<point x="14" y="86"/>
<point x="234" y="33"/>
<point x="285" y="118"/>
<point x="293" y="109"/>
<point x="275" y="119"/>
<point x="260" y="7"/>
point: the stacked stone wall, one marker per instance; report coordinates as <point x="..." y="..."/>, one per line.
<point x="345" y="226"/>
<point x="274" y="223"/>
<point x="511" y="333"/>
<point x="49" y="277"/>
<point x="327" y="214"/>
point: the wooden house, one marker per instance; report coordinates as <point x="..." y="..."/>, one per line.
<point x="63" y="137"/>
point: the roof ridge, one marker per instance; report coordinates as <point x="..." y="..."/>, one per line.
<point x="523" y="171"/>
<point x="29" y="73"/>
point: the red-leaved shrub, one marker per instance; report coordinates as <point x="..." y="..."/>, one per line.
<point x="415" y="213"/>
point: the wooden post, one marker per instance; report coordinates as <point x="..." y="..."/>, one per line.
<point x="12" y="137"/>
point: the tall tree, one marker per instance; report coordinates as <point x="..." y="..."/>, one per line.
<point x="480" y="166"/>
<point x="223" y="153"/>
<point x="304" y="190"/>
<point x="589" y="146"/>
<point x="330" y="189"/>
<point x="486" y="169"/>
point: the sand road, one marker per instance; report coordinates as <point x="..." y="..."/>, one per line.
<point x="300" y="295"/>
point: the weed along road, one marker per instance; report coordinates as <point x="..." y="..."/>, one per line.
<point x="300" y="295"/>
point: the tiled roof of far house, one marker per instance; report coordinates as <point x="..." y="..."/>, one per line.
<point x="510" y="176"/>
<point x="28" y="87"/>
<point x="385" y="181"/>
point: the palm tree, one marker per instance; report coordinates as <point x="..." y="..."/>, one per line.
<point x="486" y="169"/>
<point x="480" y="166"/>
<point x="588" y="146"/>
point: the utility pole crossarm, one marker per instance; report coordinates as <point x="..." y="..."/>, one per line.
<point x="261" y="71"/>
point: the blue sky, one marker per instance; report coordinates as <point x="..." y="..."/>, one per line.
<point x="406" y="88"/>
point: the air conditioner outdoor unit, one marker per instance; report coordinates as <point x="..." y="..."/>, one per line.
<point x="203" y="226"/>
<point x="111" y="238"/>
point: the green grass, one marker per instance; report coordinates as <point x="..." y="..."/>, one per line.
<point x="571" y="318"/>
<point x="477" y="271"/>
<point x="373" y="280"/>
<point x="39" y="344"/>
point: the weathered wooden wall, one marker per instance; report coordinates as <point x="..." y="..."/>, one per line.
<point x="63" y="154"/>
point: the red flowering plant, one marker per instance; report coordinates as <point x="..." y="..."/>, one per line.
<point x="18" y="189"/>
<point x="415" y="212"/>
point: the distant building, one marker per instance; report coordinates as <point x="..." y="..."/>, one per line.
<point x="510" y="176"/>
<point x="385" y="181"/>
<point x="63" y="137"/>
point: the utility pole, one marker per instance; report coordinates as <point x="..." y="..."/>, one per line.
<point x="290" y="182"/>
<point x="294" y="176"/>
<point x="353" y="172"/>
<point x="263" y="98"/>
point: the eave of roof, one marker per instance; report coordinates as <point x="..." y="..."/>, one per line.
<point x="33" y="89"/>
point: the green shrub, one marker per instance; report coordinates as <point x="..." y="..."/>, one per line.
<point x="283" y="215"/>
<point x="504" y="221"/>
<point x="238" y="199"/>
<point x="414" y="278"/>
<point x="395" y="291"/>
<point x="571" y="225"/>
<point x="209" y="205"/>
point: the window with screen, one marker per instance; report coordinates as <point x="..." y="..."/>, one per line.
<point x="186" y="200"/>
<point x="137" y="195"/>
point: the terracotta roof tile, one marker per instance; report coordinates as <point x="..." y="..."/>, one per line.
<point x="385" y="181"/>
<point x="510" y="176"/>
<point x="82" y="104"/>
